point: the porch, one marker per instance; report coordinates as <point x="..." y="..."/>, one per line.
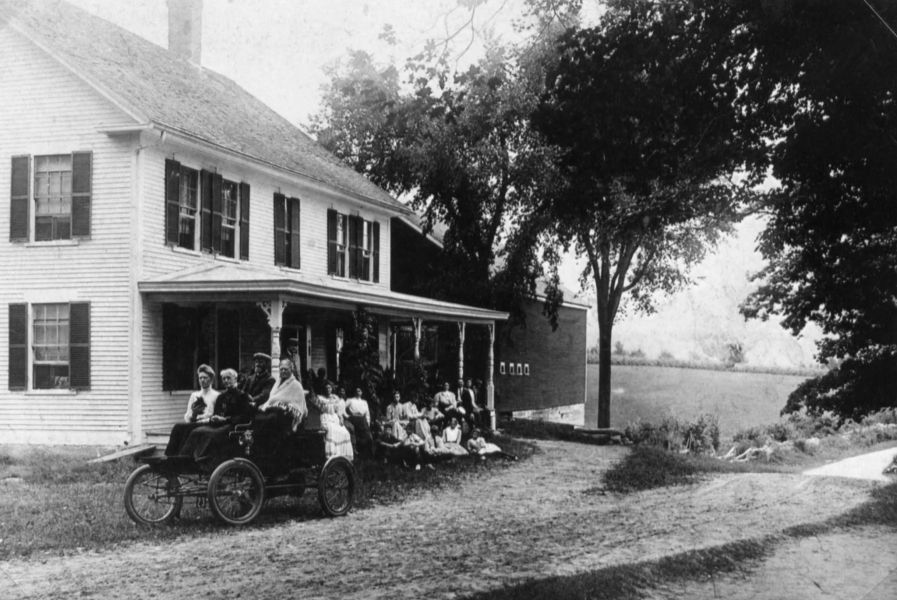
<point x="223" y="314"/>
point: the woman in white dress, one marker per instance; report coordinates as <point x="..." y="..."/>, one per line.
<point x="337" y="440"/>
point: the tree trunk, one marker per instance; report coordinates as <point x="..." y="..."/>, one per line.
<point x="604" y="339"/>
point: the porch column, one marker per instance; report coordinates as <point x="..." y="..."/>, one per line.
<point x="273" y="310"/>
<point x="490" y="385"/>
<point x="462" y="327"/>
<point x="416" y="323"/>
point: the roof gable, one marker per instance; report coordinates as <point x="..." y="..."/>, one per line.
<point x="176" y="95"/>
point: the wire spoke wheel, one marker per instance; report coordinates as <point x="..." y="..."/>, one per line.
<point x="236" y="491"/>
<point x="336" y="486"/>
<point x="152" y="497"/>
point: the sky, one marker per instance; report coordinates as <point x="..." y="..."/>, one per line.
<point x="279" y="50"/>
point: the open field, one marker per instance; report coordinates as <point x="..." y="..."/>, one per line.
<point x="739" y="399"/>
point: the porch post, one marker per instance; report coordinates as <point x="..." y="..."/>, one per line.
<point x="462" y="327"/>
<point x="490" y="385"/>
<point x="273" y="309"/>
<point x="416" y="323"/>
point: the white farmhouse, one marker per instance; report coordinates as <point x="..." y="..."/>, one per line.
<point x="158" y="217"/>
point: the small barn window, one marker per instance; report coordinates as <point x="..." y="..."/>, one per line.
<point x="526" y="369"/>
<point x="501" y="367"/>
<point x="519" y="369"/>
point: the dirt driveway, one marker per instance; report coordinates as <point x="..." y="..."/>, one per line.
<point x="529" y="521"/>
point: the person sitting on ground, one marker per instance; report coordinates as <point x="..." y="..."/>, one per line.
<point x="446" y="401"/>
<point x="360" y="417"/>
<point x="433" y="416"/>
<point x="478" y="446"/>
<point x="416" y="421"/>
<point x="449" y="443"/>
<point x="394" y="421"/>
<point x="467" y="397"/>
<point x="258" y="385"/>
<point x="200" y="407"/>
<point x="337" y="440"/>
<point x="210" y="443"/>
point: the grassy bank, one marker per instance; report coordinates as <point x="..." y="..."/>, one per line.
<point x="53" y="502"/>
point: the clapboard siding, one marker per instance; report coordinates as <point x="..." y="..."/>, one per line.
<point x="45" y="109"/>
<point x="160" y="259"/>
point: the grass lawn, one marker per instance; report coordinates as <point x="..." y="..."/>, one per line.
<point x="650" y="394"/>
<point x="52" y="501"/>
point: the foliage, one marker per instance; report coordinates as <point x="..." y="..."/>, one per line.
<point x="698" y="436"/>
<point x="458" y="145"/>
<point x="831" y="241"/>
<point x="641" y="109"/>
<point x="361" y="358"/>
<point x="860" y="385"/>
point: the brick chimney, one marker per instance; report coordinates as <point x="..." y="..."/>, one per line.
<point x="185" y="29"/>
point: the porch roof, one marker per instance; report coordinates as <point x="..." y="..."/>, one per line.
<point x="223" y="282"/>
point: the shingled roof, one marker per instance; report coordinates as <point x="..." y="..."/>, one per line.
<point x="181" y="97"/>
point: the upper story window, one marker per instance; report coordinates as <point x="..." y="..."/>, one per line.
<point x="55" y="340"/>
<point x="286" y="231"/>
<point x="188" y="206"/>
<point x="205" y="211"/>
<point x="353" y="247"/>
<point x="56" y="190"/>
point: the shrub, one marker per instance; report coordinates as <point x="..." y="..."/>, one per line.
<point x="699" y="436"/>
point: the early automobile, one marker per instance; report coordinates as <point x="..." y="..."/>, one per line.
<point x="237" y="487"/>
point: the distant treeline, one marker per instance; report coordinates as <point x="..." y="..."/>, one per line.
<point x="643" y="361"/>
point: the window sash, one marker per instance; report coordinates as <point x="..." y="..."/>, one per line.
<point x="50" y="345"/>
<point x="188" y="207"/>
<point x="53" y="197"/>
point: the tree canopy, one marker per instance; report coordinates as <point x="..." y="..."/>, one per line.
<point x="831" y="241"/>
<point x="641" y="107"/>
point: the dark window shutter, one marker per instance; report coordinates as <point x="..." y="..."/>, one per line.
<point x="81" y="192"/>
<point x="244" y="220"/>
<point x="331" y="241"/>
<point x="280" y="234"/>
<point x="293" y="228"/>
<point x="354" y="249"/>
<point x="205" y="183"/>
<point x="172" y="199"/>
<point x="18" y="346"/>
<point x="375" y="255"/>
<point x="79" y="346"/>
<point x="19" y="198"/>
<point x="217" y="210"/>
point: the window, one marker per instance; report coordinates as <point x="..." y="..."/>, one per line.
<point x="59" y="350"/>
<point x="205" y="211"/>
<point x="353" y="247"/>
<point x="526" y="369"/>
<point x="51" y="345"/>
<point x="188" y="204"/>
<point x="286" y="231"/>
<point x="501" y="367"/>
<point x="519" y="369"/>
<point x="230" y="199"/>
<point x="59" y="189"/>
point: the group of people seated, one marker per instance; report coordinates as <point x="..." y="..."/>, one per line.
<point x="447" y="425"/>
<point x="442" y="429"/>
<point x="273" y="407"/>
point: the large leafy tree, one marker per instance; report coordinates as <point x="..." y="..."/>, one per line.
<point x="641" y="107"/>
<point x="831" y="242"/>
<point x="459" y="146"/>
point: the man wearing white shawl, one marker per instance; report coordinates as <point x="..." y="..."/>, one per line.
<point x="287" y="395"/>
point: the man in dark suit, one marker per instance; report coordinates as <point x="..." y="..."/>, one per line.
<point x="259" y="384"/>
